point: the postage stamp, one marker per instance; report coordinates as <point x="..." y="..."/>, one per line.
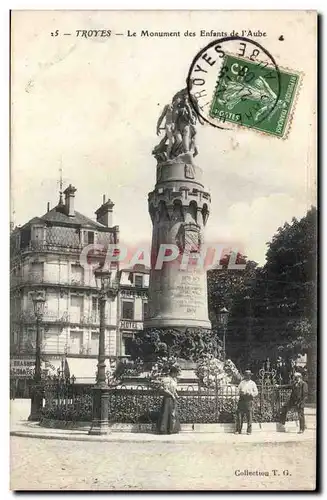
<point x="235" y="82"/>
<point x="246" y="93"/>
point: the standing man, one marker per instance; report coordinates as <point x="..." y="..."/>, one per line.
<point x="247" y="392"/>
<point x="297" y="399"/>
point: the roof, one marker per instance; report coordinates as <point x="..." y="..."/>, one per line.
<point x="58" y="216"/>
<point x="137" y="268"/>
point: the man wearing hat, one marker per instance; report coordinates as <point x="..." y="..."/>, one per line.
<point x="297" y="399"/>
<point x="247" y="391"/>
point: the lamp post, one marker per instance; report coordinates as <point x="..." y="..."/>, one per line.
<point x="37" y="396"/>
<point x="100" y="422"/>
<point x="223" y="320"/>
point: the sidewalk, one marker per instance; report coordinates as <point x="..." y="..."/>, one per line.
<point x="33" y="430"/>
<point x="21" y="427"/>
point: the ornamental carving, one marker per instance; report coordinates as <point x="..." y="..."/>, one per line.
<point x="189" y="238"/>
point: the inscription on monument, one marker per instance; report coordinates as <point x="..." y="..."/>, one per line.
<point x="188" y="295"/>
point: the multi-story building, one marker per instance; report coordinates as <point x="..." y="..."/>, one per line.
<point x="45" y="255"/>
<point x="133" y="304"/>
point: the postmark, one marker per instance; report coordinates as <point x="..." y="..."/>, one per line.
<point x="235" y="82"/>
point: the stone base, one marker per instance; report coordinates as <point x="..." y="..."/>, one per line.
<point x="100" y="424"/>
<point x="185" y="428"/>
<point x="36" y="407"/>
<point x="99" y="428"/>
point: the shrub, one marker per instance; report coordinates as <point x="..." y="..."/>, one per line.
<point x="213" y="372"/>
<point x="143" y="406"/>
<point x="187" y="343"/>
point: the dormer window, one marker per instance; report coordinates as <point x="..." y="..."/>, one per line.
<point x="138" y="280"/>
<point x="38" y="234"/>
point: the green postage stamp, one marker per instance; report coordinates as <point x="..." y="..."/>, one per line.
<point x="255" y="96"/>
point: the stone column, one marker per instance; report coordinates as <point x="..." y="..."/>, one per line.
<point x="179" y="208"/>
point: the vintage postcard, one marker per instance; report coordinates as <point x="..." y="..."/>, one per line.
<point x="163" y="247"/>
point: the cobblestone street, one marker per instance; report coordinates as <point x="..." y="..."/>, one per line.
<point x="38" y="464"/>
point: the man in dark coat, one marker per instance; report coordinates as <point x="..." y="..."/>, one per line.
<point x="297" y="400"/>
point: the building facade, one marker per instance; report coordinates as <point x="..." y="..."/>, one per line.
<point x="133" y="305"/>
<point x="45" y="255"/>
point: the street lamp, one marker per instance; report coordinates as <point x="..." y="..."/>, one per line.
<point x="37" y="396"/>
<point x="223" y="320"/>
<point x="100" y="422"/>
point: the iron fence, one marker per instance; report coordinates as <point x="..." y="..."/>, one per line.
<point x="65" y="400"/>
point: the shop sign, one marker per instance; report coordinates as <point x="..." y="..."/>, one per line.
<point x="131" y="325"/>
<point x="22" y="368"/>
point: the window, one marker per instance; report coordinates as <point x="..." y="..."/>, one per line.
<point x="29" y="340"/>
<point x="25" y="237"/>
<point x="90" y="237"/>
<point x="95" y="309"/>
<point x="37" y="272"/>
<point x="145" y="310"/>
<point x="38" y="233"/>
<point x="95" y="304"/>
<point x="77" y="274"/>
<point x="76" y="342"/>
<point x="76" y="308"/>
<point x="128" y="346"/>
<point x="94" y="343"/>
<point x="76" y="301"/>
<point x="31" y="336"/>
<point x="138" y="280"/>
<point x="127" y="310"/>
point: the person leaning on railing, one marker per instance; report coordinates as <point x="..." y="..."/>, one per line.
<point x="296" y="401"/>
<point x="247" y="392"/>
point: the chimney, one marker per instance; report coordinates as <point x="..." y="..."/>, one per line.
<point x="69" y="200"/>
<point x="48" y="206"/>
<point x="104" y="213"/>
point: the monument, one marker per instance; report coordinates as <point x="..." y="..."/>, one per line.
<point x="179" y="209"/>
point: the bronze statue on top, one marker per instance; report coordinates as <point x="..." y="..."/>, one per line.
<point x="180" y="131"/>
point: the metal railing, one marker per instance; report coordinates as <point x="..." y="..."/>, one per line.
<point x="142" y="404"/>
<point x="34" y="246"/>
<point x="39" y="279"/>
<point x="91" y="319"/>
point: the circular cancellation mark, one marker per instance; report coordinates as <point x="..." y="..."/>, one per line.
<point x="234" y="81"/>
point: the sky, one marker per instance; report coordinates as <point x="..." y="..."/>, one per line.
<point x="90" y="106"/>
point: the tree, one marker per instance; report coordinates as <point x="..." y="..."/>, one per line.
<point x="232" y="288"/>
<point x="272" y="308"/>
<point x="285" y="298"/>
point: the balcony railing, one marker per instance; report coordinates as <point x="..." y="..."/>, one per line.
<point x="28" y="316"/>
<point x="33" y="246"/>
<point x="40" y="279"/>
<point x="40" y="246"/>
<point x="48" y="316"/>
<point x="84" y="350"/>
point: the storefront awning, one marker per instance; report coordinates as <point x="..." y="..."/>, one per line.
<point x="83" y="369"/>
